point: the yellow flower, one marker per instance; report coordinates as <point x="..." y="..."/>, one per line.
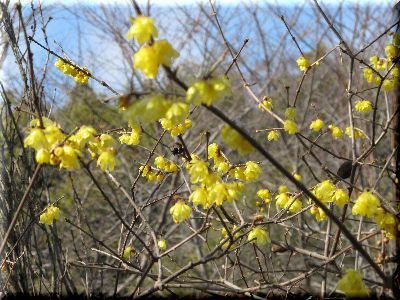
<point x="283" y="189"/>
<point x="396" y="39"/>
<point x="83" y="135"/>
<point x="208" y="91"/>
<point x="106" y="160"/>
<point x="273" y="135"/>
<point x="146" y="110"/>
<point x="379" y="64"/>
<point x="213" y="151"/>
<point x="133" y="138"/>
<point x="235" y="140"/>
<point x="258" y="235"/>
<point x="363" y="106"/>
<point x="297" y="176"/>
<point x="71" y="70"/>
<point x="51" y="213"/>
<point x="388" y="85"/>
<point x="69" y="158"/>
<point x="142" y="29"/>
<point x="265" y="195"/>
<point x="317" y="125"/>
<point x="358" y="133"/>
<point x="222" y="167"/>
<point x="128" y="252"/>
<point x="150" y="57"/>
<point x="336" y="131"/>
<point x="366" y="205"/>
<point x="352" y="285"/>
<point x="340" y="197"/>
<point x="318" y="213"/>
<point x="391" y="51"/>
<point x="385" y="221"/>
<point x="42" y="156"/>
<point x="294" y="207"/>
<point x="160" y="162"/>
<point x="36" y="139"/>
<point x="368" y="74"/>
<point x="303" y="63"/>
<point x="218" y="193"/>
<point x="290" y="127"/>
<point x="290" y="113"/>
<point x="324" y="191"/>
<point x="200" y="197"/>
<point x="267" y="102"/>
<point x="107" y="141"/>
<point x="162" y="245"/>
<point x="395" y="72"/>
<point x="198" y="169"/>
<point x="252" y="171"/>
<point x="180" y="211"/>
<point x="282" y="199"/>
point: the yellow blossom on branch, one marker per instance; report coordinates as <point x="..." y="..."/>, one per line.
<point x="208" y="91"/>
<point x="142" y="29"/>
<point x="180" y="211"/>
<point x="149" y="57"/>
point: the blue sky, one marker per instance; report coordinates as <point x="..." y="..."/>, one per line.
<point x="101" y="55"/>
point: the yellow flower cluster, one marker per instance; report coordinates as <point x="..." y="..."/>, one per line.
<point x="52" y="145"/>
<point x="273" y="135"/>
<point x="290" y="127"/>
<point x="225" y="234"/>
<point x="267" y="102"/>
<point x="249" y="172"/>
<point x="149" y="57"/>
<point x="153" y="54"/>
<point x="171" y="113"/>
<point x="221" y="164"/>
<point x="235" y="140"/>
<point x="317" y="125"/>
<point x="368" y="205"/>
<point x="180" y="211"/>
<point x="259" y="236"/>
<point x="128" y="252"/>
<point x="290" y="113"/>
<point x="142" y="29"/>
<point x="336" y="131"/>
<point x="162" y="245"/>
<point x="208" y="91"/>
<point x="104" y="149"/>
<point x="167" y="166"/>
<point x="71" y="70"/>
<point x="352" y="285"/>
<point x="265" y="195"/>
<point x="326" y="191"/>
<point x="358" y="133"/>
<point x="363" y="106"/>
<point x="150" y="174"/>
<point x="132" y="138"/>
<point x="284" y="200"/>
<point x="303" y="63"/>
<point x="52" y="213"/>
<point x="382" y="64"/>
<point x="148" y="109"/>
<point x="175" y="119"/>
<point x="318" y="213"/>
<point x="212" y="188"/>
